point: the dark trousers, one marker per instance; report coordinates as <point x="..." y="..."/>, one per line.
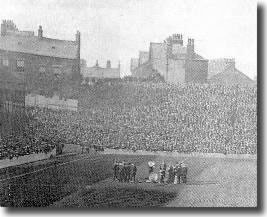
<point x="133" y="176"/>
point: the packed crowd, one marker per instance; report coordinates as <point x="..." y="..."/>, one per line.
<point x="31" y="139"/>
<point x="152" y="117"/>
<point x="193" y="118"/>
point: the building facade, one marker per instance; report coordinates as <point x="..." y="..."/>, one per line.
<point x="177" y="63"/>
<point x="95" y="73"/>
<point x="45" y="66"/>
<point x="134" y="64"/>
<point x="143" y="57"/>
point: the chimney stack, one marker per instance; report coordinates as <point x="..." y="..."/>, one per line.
<point x="78" y="55"/>
<point x="40" y="32"/>
<point x="78" y="36"/>
<point x="119" y="68"/>
<point x="3" y="28"/>
<point x="108" y="64"/>
<point x="190" y="48"/>
<point x="177" y="39"/>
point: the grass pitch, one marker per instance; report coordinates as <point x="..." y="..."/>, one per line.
<point x="212" y="182"/>
<point x="86" y="181"/>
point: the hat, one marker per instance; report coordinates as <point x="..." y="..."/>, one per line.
<point x="151" y="163"/>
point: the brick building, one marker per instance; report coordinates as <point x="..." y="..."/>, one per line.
<point x="95" y="73"/>
<point x="44" y="65"/>
<point x="177" y="63"/>
<point x="134" y="64"/>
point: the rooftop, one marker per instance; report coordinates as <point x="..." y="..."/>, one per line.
<point x="158" y="50"/>
<point x="39" y="46"/>
<point x="100" y="72"/>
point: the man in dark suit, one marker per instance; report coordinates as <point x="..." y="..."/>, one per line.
<point x="133" y="172"/>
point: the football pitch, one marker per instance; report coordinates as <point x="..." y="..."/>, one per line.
<point x="85" y="181"/>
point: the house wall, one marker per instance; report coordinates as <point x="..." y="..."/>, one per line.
<point x="160" y="65"/>
<point x="143" y="57"/>
<point x="143" y="71"/>
<point x="134" y="64"/>
<point x="98" y="72"/>
<point x="40" y="73"/>
<point x="176" y="71"/>
<point x="196" y="71"/>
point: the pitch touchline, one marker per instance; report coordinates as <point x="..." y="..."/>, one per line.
<point x="35" y="171"/>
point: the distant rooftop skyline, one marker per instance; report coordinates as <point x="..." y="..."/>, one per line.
<point x="118" y="30"/>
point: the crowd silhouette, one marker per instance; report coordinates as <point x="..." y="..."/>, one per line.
<point x="146" y="116"/>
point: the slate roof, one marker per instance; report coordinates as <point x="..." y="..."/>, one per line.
<point x="230" y="77"/>
<point x="217" y="66"/>
<point x="44" y="46"/>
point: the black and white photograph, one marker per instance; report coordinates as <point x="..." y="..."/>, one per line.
<point x="128" y="104"/>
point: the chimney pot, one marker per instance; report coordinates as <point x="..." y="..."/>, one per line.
<point x="108" y="64"/>
<point x="40" y="32"/>
<point x="78" y="36"/>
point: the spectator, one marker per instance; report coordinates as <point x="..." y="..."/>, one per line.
<point x="146" y="116"/>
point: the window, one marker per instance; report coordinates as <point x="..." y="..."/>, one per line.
<point x="42" y="69"/>
<point x="57" y="71"/>
<point x="20" y="65"/>
<point x="5" y="62"/>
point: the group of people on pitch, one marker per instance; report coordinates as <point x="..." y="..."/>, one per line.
<point x="170" y="175"/>
<point x="124" y="172"/>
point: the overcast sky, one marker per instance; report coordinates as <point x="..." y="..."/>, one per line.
<point x="118" y="29"/>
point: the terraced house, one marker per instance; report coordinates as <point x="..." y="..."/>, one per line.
<point x="96" y="73"/>
<point x="176" y="63"/>
<point x="43" y="65"/>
